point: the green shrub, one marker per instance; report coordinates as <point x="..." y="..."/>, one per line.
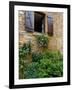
<point x="31" y="71"/>
<point x="46" y="68"/>
<point x="52" y="68"/>
<point x="27" y="47"/>
<point x="53" y="55"/>
<point x="43" y="65"/>
<point x="24" y="51"/>
<point x="42" y="40"/>
<point x="36" y="56"/>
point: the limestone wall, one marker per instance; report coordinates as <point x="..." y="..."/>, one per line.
<point x="55" y="41"/>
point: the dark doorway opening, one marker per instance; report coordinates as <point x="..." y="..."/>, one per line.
<point x="39" y="22"/>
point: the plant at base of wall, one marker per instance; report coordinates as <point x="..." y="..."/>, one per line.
<point x="24" y="53"/>
<point x="25" y="50"/>
<point x="36" y="56"/>
<point x="47" y="64"/>
<point x="46" y="68"/>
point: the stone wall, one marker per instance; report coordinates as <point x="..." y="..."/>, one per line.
<point x="55" y="41"/>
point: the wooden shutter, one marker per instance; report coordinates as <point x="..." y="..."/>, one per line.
<point x="29" y="20"/>
<point x="50" y="25"/>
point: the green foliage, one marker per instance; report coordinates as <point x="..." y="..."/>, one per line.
<point x="52" y="68"/>
<point x="42" y="40"/>
<point x="53" y="55"/>
<point x="36" y="56"/>
<point x="27" y="47"/>
<point x="25" y="50"/>
<point x="31" y="70"/>
<point x="46" y="66"/>
<point x="43" y="65"/>
<point x="23" y="54"/>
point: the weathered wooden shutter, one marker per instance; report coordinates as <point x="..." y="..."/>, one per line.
<point x="50" y="25"/>
<point x="29" y="21"/>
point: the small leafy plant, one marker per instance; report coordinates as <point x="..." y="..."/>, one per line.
<point x="31" y="70"/>
<point x="24" y="51"/>
<point x="42" y="40"/>
<point x="36" y="56"/>
<point x="53" y="55"/>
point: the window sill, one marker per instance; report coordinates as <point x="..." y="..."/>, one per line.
<point x="36" y="33"/>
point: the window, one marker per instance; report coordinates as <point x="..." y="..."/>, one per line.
<point x="35" y="21"/>
<point x="39" y="22"/>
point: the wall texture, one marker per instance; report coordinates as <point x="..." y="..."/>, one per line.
<point x="55" y="41"/>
